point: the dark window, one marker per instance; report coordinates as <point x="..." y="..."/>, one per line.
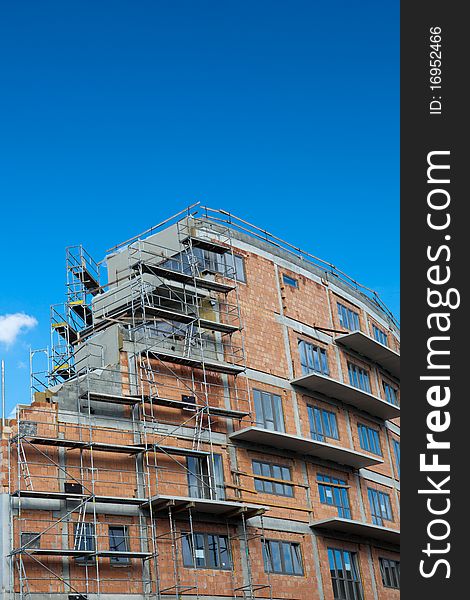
<point x="380" y="506"/>
<point x="334" y="492"/>
<point x="390" y="571"/>
<point x="119" y="542"/>
<point x="228" y="265"/>
<point x="289" y="280"/>
<point x="237" y="265"/>
<point x="188" y="400"/>
<point x="359" y="377"/>
<point x="206" y="477"/>
<point x="30" y="539"/>
<point x="379" y="335"/>
<point x="344" y="574"/>
<point x="313" y="359"/>
<point x="84" y="540"/>
<point x="396" y="451"/>
<point x="72" y="487"/>
<point x="268" y="408"/>
<point x="282" y="557"/>
<point x="348" y="318"/>
<point x="206" y="551"/>
<point x="369" y="439"/>
<point x="272" y="471"/>
<point x="391" y="393"/>
<point x="322" y="424"/>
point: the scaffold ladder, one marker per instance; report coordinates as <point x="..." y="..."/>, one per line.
<point x="24" y="467"/>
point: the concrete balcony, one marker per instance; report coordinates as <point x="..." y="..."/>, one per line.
<point x="305" y="446"/>
<point x="387" y="359"/>
<point x="314" y="382"/>
<point x="358" y="530"/>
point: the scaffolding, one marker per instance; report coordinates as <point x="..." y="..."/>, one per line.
<point x="110" y="436"/>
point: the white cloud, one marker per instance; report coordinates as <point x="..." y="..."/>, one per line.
<point x="12" y="325"/>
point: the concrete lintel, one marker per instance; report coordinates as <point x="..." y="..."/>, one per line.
<point x="378" y="478"/>
<point x="304" y="329"/>
<point x="393" y="427"/>
<point x="277" y="524"/>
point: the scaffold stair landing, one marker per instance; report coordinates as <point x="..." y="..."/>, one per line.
<point x="83" y="311"/>
<point x="66" y="331"/>
<point x="86" y="278"/>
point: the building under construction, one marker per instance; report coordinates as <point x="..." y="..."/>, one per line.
<point x="217" y="418"/>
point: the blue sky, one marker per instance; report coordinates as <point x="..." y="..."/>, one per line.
<point x="114" y="115"/>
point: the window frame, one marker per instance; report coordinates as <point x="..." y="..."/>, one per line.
<point x="259" y="397"/>
<point x="90" y="534"/>
<point x="347" y="317"/>
<point x="338" y="491"/>
<point x="238" y="275"/>
<point x="396" y="452"/>
<point x="320" y="436"/>
<point x="294" y="551"/>
<point x="371" y="445"/>
<point x="379" y="335"/>
<point x="119" y="560"/>
<point x="386" y="386"/>
<point x="266" y="483"/>
<point x="189" y="551"/>
<point x="310" y="354"/>
<point x="290" y="281"/>
<point x="355" y="589"/>
<point x="33" y="535"/>
<point x="394" y="567"/>
<point x="360" y="373"/>
<point x="206" y="479"/>
<point x="378" y="515"/>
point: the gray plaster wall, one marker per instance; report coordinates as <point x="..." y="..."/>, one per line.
<point x="162" y="244"/>
<point x="102" y="349"/>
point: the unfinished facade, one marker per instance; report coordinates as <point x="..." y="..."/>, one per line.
<point x="219" y="419"/>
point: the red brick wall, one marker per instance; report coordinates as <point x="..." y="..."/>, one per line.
<point x="310" y="303"/>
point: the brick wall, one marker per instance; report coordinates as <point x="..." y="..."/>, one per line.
<point x="275" y="316"/>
